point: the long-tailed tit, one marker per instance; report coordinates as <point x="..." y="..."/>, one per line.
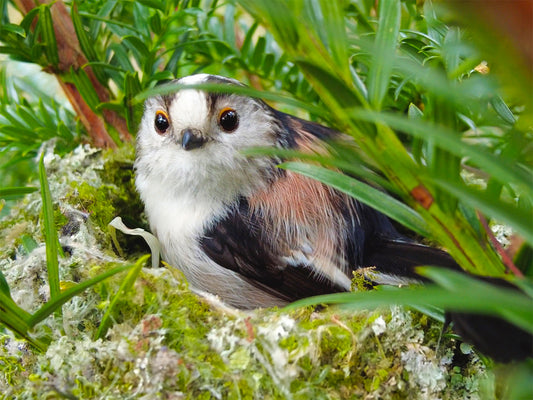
<point x="240" y="227"/>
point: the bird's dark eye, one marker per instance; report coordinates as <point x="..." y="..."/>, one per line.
<point x="228" y="119"/>
<point x="161" y="122"/>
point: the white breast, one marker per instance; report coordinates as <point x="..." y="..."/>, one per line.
<point x="179" y="223"/>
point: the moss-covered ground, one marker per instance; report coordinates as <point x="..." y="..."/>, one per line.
<point x="165" y="342"/>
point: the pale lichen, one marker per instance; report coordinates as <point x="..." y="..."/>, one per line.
<point x="165" y="342"/>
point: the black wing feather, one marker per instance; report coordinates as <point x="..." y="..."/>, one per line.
<point x="236" y="243"/>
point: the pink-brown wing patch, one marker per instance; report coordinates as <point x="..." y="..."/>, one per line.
<point x="303" y="221"/>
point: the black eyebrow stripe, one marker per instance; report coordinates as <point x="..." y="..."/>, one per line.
<point x="167" y="100"/>
<point x="213" y="99"/>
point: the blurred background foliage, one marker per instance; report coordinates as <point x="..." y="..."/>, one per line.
<point x="437" y="96"/>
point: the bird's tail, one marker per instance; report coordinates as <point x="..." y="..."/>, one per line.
<point x="498" y="338"/>
<point x="394" y="262"/>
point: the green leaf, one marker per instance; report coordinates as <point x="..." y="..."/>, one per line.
<point x="155" y="24"/>
<point x="502" y="110"/>
<point x="414" y="113"/>
<point x="19" y="54"/>
<point x="16" y="191"/>
<point x="132" y="87"/>
<point x="259" y="50"/>
<point x="333" y="23"/>
<point x="28" y="19"/>
<point x="248" y="40"/>
<point x="500" y="168"/>
<point x="104" y="66"/>
<point x="137" y="46"/>
<point x="121" y="57"/>
<point x="85" y="87"/>
<point x="44" y="114"/>
<point x="332" y="85"/>
<point x="156" y="4"/>
<point x="28" y="243"/>
<point x="359" y="84"/>
<point x="12" y="28"/>
<point x="50" y="233"/>
<point x="111" y="21"/>
<point x="364" y="193"/>
<point x="160" y="76"/>
<point x="442" y="163"/>
<point x="517" y="218"/>
<point x="4" y="286"/>
<point x="449" y="293"/>
<point x="384" y="51"/>
<point x="46" y="27"/>
<point x="141" y="21"/>
<point x="268" y="64"/>
<point x="123" y="290"/>
<point x="229" y="25"/>
<point x="28" y="117"/>
<point x="86" y="44"/>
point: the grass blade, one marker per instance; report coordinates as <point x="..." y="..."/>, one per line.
<point x="50" y="233"/>
<point x="4" y="287"/>
<point x="499" y="168"/>
<point x="15" y="318"/>
<point x="53" y="304"/>
<point x="16" y="191"/>
<point x="12" y="315"/>
<point x="223" y="88"/>
<point x="384" y="51"/>
<point x="518" y="219"/>
<point x="126" y="286"/>
<point x="449" y="294"/>
<point x="364" y="193"/>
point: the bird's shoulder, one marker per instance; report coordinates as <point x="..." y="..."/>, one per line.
<point x="298" y="238"/>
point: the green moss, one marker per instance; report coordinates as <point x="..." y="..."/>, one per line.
<point x="119" y="170"/>
<point x="21" y="223"/>
<point x="60" y="219"/>
<point x="10" y="368"/>
<point x="112" y="195"/>
<point x="161" y="318"/>
<point x="95" y="201"/>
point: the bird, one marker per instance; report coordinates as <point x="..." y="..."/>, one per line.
<point x="245" y="230"/>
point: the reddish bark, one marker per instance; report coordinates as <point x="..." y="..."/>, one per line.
<point x="71" y="56"/>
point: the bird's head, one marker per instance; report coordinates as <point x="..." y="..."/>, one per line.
<point x="194" y="138"/>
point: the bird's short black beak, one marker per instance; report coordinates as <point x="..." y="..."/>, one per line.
<point x="192" y="139"/>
